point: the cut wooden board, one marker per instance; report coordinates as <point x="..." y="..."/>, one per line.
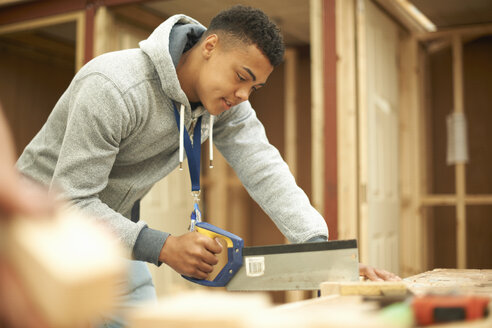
<point x="69" y="266"/>
<point x="366" y="288"/>
<point x="200" y="309"/>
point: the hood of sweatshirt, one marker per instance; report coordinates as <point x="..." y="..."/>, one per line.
<point x="165" y="46"/>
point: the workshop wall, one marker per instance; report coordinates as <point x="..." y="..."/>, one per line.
<point x="34" y="72"/>
<point x="477" y="69"/>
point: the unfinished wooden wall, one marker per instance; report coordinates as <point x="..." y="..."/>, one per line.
<point x="477" y="69"/>
<point x="34" y="73"/>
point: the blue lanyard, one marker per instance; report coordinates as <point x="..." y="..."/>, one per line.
<point x="193" y="154"/>
<point x="192" y="151"/>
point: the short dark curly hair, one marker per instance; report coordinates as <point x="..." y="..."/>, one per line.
<point x="251" y="26"/>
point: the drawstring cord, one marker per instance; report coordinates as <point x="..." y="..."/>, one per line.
<point x="181" y="136"/>
<point x="211" y="141"/>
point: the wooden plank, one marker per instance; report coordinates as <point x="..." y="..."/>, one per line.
<point x="80" y="41"/>
<point x="347" y="120"/>
<point x="362" y="128"/>
<point x="34" y="10"/>
<point x="364" y="288"/>
<point x="443" y="200"/>
<point x="408" y="15"/>
<point x="468" y="281"/>
<point x="457" y="31"/>
<point x="410" y="160"/>
<point x="290" y="132"/>
<point x="71" y="267"/>
<point x="88" y="33"/>
<point x="104" y="32"/>
<point x="317" y="107"/>
<point x="204" y="309"/>
<point x="438" y="200"/>
<point x="40" y="22"/>
<point x="460" y="167"/>
<point x="423" y="136"/>
<point x="290" y="109"/>
<point x="330" y="210"/>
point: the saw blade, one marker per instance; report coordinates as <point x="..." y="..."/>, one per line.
<point x="296" y="266"/>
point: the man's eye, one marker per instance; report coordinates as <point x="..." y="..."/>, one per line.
<point x="240" y="77"/>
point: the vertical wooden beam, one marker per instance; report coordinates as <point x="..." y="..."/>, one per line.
<point x="410" y="160"/>
<point x="317" y="108"/>
<point x="290" y="132"/>
<point x="330" y="116"/>
<point x="80" y="41"/>
<point x="90" y="13"/>
<point x="346" y="120"/>
<point x="362" y="128"/>
<point x="460" y="167"/>
<point x="290" y="122"/>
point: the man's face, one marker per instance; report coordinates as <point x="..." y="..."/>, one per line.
<point x="230" y="74"/>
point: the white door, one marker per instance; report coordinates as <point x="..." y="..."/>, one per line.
<point x="383" y="201"/>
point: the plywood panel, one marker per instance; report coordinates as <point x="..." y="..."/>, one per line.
<point x="478" y="100"/>
<point x="444" y="241"/>
<point x="442" y="104"/>
<point x="479" y="228"/>
<point x="29" y="88"/>
<point x="268" y="103"/>
<point x="303" y="117"/>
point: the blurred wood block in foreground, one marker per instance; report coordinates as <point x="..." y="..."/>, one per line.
<point x="68" y="265"/>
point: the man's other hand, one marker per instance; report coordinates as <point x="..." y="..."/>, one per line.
<point x="376" y="274"/>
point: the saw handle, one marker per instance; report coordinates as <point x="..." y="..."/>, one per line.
<point x="224" y="270"/>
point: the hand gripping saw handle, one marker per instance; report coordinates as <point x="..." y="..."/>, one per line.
<point x="227" y="267"/>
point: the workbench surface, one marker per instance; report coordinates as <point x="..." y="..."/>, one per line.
<point x="351" y="311"/>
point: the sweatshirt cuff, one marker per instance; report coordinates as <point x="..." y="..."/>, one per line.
<point x="316" y="239"/>
<point x="148" y="245"/>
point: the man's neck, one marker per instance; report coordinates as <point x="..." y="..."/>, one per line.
<point x="186" y="74"/>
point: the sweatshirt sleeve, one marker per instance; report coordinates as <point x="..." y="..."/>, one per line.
<point x="98" y="120"/>
<point x="241" y="138"/>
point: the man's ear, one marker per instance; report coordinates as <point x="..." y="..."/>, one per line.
<point x="209" y="45"/>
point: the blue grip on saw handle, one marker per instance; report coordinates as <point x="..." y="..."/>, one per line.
<point x="234" y="255"/>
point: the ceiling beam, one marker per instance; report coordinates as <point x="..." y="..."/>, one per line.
<point x="468" y="30"/>
<point x="408" y="15"/>
<point x="37" y="9"/>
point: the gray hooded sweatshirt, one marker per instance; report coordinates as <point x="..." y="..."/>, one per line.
<point x="113" y="135"/>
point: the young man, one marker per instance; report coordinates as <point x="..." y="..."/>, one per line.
<point x="113" y="134"/>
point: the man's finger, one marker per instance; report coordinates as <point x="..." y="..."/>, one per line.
<point x="371" y="274"/>
<point x="213" y="245"/>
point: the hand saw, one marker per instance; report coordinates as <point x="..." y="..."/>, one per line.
<point x="279" y="267"/>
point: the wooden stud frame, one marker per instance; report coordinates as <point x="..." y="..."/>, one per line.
<point x="347" y="142"/>
<point x="317" y="107"/>
<point x="362" y="129"/>
<point x="78" y="17"/>
<point x="415" y="195"/>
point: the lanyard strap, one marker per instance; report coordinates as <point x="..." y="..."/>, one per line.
<point x="192" y="151"/>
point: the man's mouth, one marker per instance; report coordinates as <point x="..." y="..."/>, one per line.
<point x="227" y="103"/>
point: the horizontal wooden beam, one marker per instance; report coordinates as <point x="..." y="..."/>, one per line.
<point x="37" y="23"/>
<point x="139" y="15"/>
<point x="451" y="200"/>
<point x="462" y="31"/>
<point x="38" y="9"/>
<point x="409" y="16"/>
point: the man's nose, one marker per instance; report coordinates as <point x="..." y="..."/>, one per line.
<point x="242" y="93"/>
